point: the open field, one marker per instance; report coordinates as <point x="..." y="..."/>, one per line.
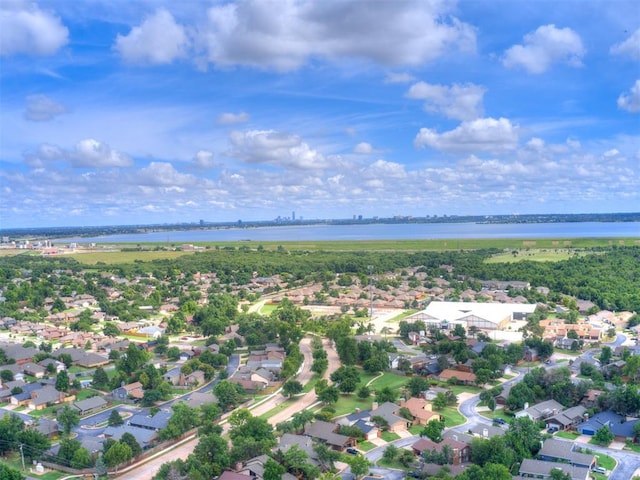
<point x="111" y="258"/>
<point x="537" y="255"/>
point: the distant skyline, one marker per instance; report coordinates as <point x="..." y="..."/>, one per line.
<point x="152" y="111"/>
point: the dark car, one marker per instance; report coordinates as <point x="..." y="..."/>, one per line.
<point x="499" y="421"/>
<point x="352" y="451"/>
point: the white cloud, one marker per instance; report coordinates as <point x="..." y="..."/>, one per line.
<point x="41" y="108"/>
<point x="25" y="29"/>
<point x="364" y="148"/>
<point x="630" y="47"/>
<point x="544" y="47"/>
<point x="165" y="175"/>
<point x="630" y="101"/>
<point x="275" y="148"/>
<point x="399" y="78"/>
<point x="385" y="169"/>
<point x="204" y="159"/>
<point x="92" y="153"/>
<point x="232" y="118"/>
<point x="481" y="135"/>
<point x="158" y="40"/>
<point x="459" y="101"/>
<point x="252" y="32"/>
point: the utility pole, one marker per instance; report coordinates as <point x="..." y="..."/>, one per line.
<point x="22" y="455"/>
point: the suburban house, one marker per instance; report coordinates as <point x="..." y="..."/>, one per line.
<point x="156" y="422"/>
<point x="152" y="331"/>
<point x="461" y="451"/>
<point x="568" y="419"/>
<point x="420" y="411"/>
<point x="326" y="433"/>
<point x="34" y="370"/>
<point x="389" y="413"/>
<point x="46" y="396"/>
<point x="361" y="421"/>
<point x="466" y="378"/>
<point x="541" y="469"/>
<point x="132" y="390"/>
<point x="172" y="377"/>
<point x="540" y="411"/>
<point x="57" y="365"/>
<point x="143" y="436"/>
<point x="555" y="450"/>
<point x="621" y="429"/>
<point x="90" y="405"/>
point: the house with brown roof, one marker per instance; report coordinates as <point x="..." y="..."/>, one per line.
<point x="466" y="378"/>
<point x="461" y="452"/>
<point x="421" y="410"/>
<point x="133" y="390"/>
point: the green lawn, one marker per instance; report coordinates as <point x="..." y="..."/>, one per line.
<point x="606" y="461"/>
<point x="458" y="389"/>
<point x="390" y="380"/>
<point x="348" y="403"/>
<point x="86" y="393"/>
<point x="13" y="460"/>
<point x="416" y="429"/>
<point x="278" y="409"/>
<point x="365" y="446"/>
<point x="389" y="436"/>
<point x="452" y="416"/>
<point x="568" y="435"/>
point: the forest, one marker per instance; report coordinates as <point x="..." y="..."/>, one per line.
<point x="608" y="277"/>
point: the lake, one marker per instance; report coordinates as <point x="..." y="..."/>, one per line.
<point x="405" y="231"/>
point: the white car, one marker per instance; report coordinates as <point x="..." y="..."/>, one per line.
<point x="600" y="470"/>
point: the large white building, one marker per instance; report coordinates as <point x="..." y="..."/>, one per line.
<point x="487" y="316"/>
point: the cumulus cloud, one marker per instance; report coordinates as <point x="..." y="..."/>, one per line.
<point x="165" y="175"/>
<point x="232" y="118"/>
<point x="41" y="108"/>
<point x="399" y="78"/>
<point x="158" y="40"/>
<point x="25" y="29"/>
<point x="459" y="101"/>
<point x="275" y="148"/>
<point x="630" y="101"/>
<point x="92" y="153"/>
<point x="364" y="148"/>
<point x="629" y="47"/>
<point x="385" y="169"/>
<point x="481" y="135"/>
<point x="252" y="32"/>
<point x="204" y="159"/>
<point x="544" y="47"/>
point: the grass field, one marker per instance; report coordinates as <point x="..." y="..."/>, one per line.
<point x="568" y="435"/>
<point x="452" y="416"/>
<point x="112" y="258"/>
<point x="536" y="255"/>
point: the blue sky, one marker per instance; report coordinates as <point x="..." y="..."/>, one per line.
<point x="120" y="112"/>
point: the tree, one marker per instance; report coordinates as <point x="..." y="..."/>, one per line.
<point x="433" y="430"/>
<point x="68" y="448"/>
<point x="346" y="378"/>
<point x="273" y="470"/>
<point x="173" y="353"/>
<point x="81" y="459"/>
<point x="214" y="450"/>
<point x="33" y="442"/>
<point x="130" y="440"/>
<point x="8" y="473"/>
<point x="228" y="394"/>
<point x="132" y="360"/>
<point x="440" y="401"/>
<point x="110" y="329"/>
<point x="291" y="388"/>
<point x="100" y="378"/>
<point x="68" y="417"/>
<point x="364" y="392"/>
<point x="62" y="381"/>
<point x="329" y="395"/>
<point x="359" y="465"/>
<point x="416" y="385"/>
<point x="386" y="394"/>
<point x="118" y="453"/>
<point x="391" y="453"/>
<point x="490" y="470"/>
<point x="523" y="437"/>
<point x="114" y="418"/>
<point x="557" y="474"/>
<point x="605" y="355"/>
<point x="603" y="436"/>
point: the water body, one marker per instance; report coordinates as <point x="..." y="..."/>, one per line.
<point x="421" y="231"/>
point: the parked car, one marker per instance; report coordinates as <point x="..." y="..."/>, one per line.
<point x="353" y="451"/>
<point x="552" y="429"/>
<point x="499" y="421"/>
<point x="600" y="470"/>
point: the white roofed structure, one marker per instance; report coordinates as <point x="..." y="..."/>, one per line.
<point x="488" y="316"/>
